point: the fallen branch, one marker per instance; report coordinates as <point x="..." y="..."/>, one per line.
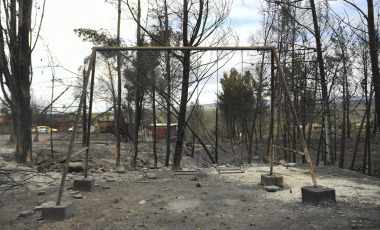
<point x="8" y="178"/>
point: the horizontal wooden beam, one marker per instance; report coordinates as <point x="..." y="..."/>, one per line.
<point x="289" y="150"/>
<point x="159" y="48"/>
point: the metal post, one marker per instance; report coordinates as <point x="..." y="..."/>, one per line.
<point x="305" y="150"/>
<point x="72" y="139"/>
<point x="271" y="132"/>
<point x="89" y="118"/>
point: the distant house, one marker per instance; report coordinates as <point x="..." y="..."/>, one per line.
<point x="5" y="127"/>
<point x="64" y="126"/>
<point x="161" y="131"/>
<point x="105" y="123"/>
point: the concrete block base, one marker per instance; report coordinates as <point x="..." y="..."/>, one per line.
<point x="61" y="212"/>
<point x="274" y="179"/>
<point x="313" y="195"/>
<point x="84" y="184"/>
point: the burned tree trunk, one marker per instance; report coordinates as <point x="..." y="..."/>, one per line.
<point x="373" y="51"/>
<point x="16" y="79"/>
<point x="325" y="97"/>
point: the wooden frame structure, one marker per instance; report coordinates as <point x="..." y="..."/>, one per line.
<point x="274" y="61"/>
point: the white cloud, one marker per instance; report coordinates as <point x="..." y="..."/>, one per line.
<point x="62" y="17"/>
<point x="244" y="31"/>
<point x="245" y="11"/>
<point x="208" y="94"/>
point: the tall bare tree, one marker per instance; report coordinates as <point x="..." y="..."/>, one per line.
<point x="342" y="54"/>
<point x="139" y="94"/>
<point x="373" y="42"/>
<point x="374" y="54"/>
<point x="15" y="64"/>
<point x="199" y="22"/>
<point x="325" y="96"/>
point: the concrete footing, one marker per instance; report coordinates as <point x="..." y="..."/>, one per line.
<point x="52" y="211"/>
<point x="274" y="179"/>
<point x="84" y="184"/>
<point x="313" y="195"/>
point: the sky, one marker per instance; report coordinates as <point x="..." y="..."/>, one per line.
<point x="67" y="51"/>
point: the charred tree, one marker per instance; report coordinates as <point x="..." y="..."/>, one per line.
<point x="325" y="97"/>
<point x="15" y="64"/>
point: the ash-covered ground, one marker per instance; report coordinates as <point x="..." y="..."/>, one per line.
<point x="162" y="199"/>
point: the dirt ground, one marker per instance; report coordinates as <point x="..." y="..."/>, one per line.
<point x="163" y="199"/>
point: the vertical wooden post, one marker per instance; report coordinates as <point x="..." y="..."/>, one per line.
<point x="217" y="110"/>
<point x="84" y="115"/>
<point x="216" y="133"/>
<point x="305" y="150"/>
<point x="89" y="118"/>
<point x="51" y="115"/>
<point x="271" y="132"/>
<point x="72" y="139"/>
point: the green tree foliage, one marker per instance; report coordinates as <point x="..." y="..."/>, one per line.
<point x="100" y="37"/>
<point x="195" y="119"/>
<point x="237" y="100"/>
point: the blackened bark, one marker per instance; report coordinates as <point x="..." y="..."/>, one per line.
<point x="200" y="30"/>
<point x="168" y="78"/>
<point x="374" y="56"/>
<point x="168" y="112"/>
<point x="250" y="138"/>
<point x="154" y="121"/>
<point x="182" y="111"/>
<point x="118" y="112"/>
<point x="139" y="93"/>
<point x="325" y="98"/>
<point x="184" y="94"/>
<point x="343" y="136"/>
<point x="368" y="144"/>
<point x="19" y="84"/>
<point x="357" y="141"/>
